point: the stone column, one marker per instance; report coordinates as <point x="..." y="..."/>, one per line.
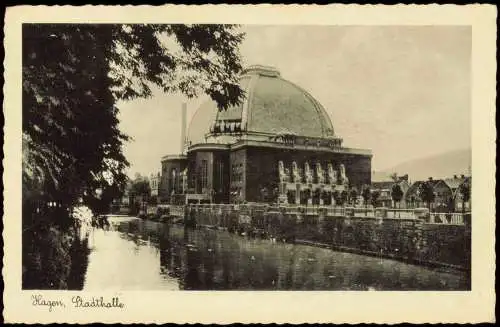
<point x="285" y="194"/>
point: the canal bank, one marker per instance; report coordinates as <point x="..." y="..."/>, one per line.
<point x="412" y="237"/>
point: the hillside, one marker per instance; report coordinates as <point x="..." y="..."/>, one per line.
<point x="438" y="166"/>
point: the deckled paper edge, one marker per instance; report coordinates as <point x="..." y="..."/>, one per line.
<point x="278" y="307"/>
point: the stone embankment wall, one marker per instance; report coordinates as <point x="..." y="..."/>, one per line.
<point x="409" y="239"/>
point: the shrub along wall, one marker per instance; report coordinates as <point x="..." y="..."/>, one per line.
<point x="406" y="239"/>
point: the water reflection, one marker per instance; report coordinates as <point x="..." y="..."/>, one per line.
<point x="145" y="255"/>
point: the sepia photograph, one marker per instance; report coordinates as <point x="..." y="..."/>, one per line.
<point x="265" y="190"/>
<point x="244" y="157"/>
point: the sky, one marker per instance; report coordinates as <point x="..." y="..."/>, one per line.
<point x="402" y="91"/>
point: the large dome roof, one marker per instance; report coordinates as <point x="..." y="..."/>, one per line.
<point x="272" y="105"/>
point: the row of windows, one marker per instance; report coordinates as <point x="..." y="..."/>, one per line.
<point x="154" y="183"/>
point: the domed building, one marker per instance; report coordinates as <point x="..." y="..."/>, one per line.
<point x="279" y="144"/>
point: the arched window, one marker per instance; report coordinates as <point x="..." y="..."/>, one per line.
<point x="204" y="174"/>
<point x="174" y="179"/>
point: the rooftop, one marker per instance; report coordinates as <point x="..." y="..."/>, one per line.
<point x="272" y="105"/>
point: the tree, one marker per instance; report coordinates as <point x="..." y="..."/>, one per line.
<point x="140" y="192"/>
<point x="450" y="204"/>
<point x="464" y="190"/>
<point x="153" y="199"/>
<point x="353" y="195"/>
<point x="316" y="195"/>
<point x="426" y="193"/>
<point x="306" y="195"/>
<point x="73" y="75"/>
<point x="397" y="195"/>
<point x="326" y="196"/>
<point x="140" y="187"/>
<point x="343" y="197"/>
<point x="366" y="194"/>
<point x="374" y="197"/>
<point x="101" y="201"/>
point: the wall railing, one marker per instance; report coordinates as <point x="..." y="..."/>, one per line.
<point x="454" y="218"/>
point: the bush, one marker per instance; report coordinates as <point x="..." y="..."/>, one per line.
<point x="52" y="250"/>
<point x="46" y="258"/>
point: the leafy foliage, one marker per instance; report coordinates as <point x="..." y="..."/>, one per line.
<point x="353" y="195"/>
<point x="140" y="187"/>
<point x="72" y="77"/>
<point x="464" y="190"/>
<point x="374" y="197"/>
<point x="426" y="193"/>
<point x="343" y="197"/>
<point x="366" y="193"/>
<point x="336" y="197"/>
<point x="177" y="58"/>
<point x="74" y="74"/>
<point x="46" y="260"/>
<point x="396" y="193"/>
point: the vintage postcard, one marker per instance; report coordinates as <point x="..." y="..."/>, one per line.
<point x="249" y="164"/>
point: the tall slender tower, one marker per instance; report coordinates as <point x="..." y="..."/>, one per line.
<point x="183" y="127"/>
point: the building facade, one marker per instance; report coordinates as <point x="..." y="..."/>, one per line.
<point x="170" y="181"/>
<point x="384" y="189"/>
<point x="278" y="145"/>
<point x="154" y="182"/>
<point x="447" y="195"/>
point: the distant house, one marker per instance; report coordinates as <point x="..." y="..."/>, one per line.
<point x="412" y="196"/>
<point x="385" y="189"/>
<point x="154" y="181"/>
<point x="447" y="195"/>
<point x="454" y="186"/>
<point x="443" y="201"/>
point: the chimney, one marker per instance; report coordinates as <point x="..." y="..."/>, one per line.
<point x="463" y="176"/>
<point x="183" y="126"/>
<point x="455" y="176"/>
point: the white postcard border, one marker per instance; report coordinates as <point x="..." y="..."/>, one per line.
<point x="268" y="307"/>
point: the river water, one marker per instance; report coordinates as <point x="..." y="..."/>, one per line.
<point x="136" y="254"/>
